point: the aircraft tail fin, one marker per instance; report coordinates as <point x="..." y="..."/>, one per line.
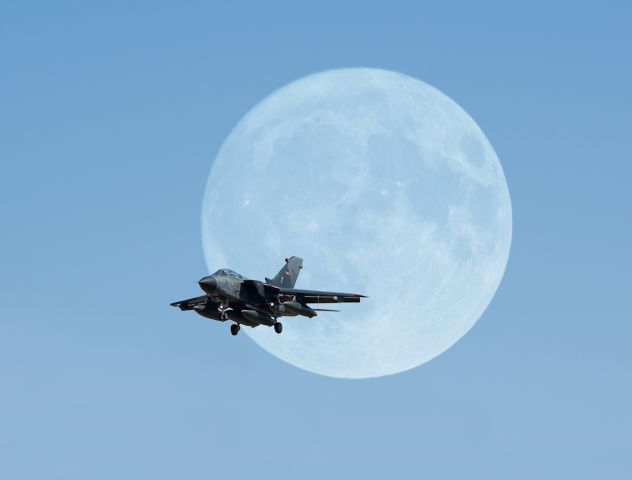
<point x="286" y="278"/>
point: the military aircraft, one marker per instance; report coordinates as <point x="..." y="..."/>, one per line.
<point x="230" y="296"/>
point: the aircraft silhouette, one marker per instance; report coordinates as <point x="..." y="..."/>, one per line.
<point x="230" y="296"/>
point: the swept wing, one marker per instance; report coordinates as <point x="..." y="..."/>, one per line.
<point x="190" y="303"/>
<point x="317" y="296"/>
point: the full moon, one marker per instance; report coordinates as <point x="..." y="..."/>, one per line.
<point x="385" y="187"/>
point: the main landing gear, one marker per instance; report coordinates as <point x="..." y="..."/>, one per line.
<point x="234" y="328"/>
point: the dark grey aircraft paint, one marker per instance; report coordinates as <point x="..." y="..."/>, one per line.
<point x="230" y="296"/>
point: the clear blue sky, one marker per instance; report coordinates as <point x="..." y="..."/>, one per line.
<point x="110" y="116"/>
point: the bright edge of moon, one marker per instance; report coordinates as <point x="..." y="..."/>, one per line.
<point x="386" y="187"/>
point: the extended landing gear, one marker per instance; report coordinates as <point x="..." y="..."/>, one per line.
<point x="234" y="329"/>
<point x="278" y="327"/>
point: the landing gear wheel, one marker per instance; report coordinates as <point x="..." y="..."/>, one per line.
<point x="234" y="329"/>
<point x="278" y="327"/>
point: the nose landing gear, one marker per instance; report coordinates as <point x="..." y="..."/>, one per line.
<point x="278" y="327"/>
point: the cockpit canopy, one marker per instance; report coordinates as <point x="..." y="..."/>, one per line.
<point x="225" y="272"/>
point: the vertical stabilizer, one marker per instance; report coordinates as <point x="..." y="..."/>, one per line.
<point x="286" y="278"/>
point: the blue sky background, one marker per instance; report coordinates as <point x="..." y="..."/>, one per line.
<point x="110" y="116"/>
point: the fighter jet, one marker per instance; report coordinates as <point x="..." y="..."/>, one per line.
<point x="230" y="296"/>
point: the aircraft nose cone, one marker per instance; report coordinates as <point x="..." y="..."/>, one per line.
<point x="208" y="284"/>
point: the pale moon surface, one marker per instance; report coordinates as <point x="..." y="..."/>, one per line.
<point x="385" y="187"/>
